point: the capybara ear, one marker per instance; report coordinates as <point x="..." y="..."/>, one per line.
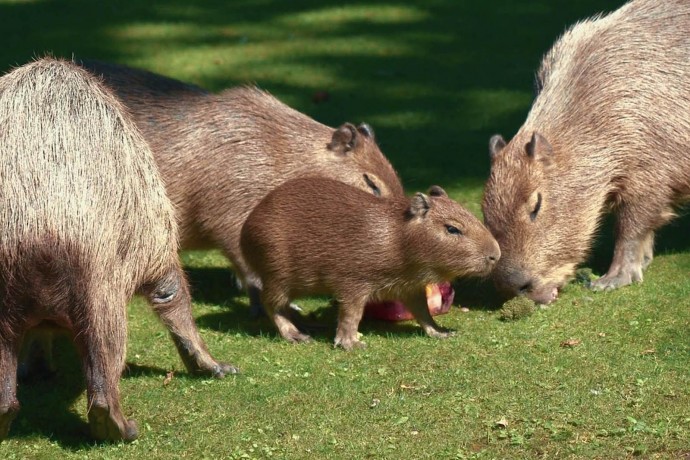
<point x="344" y="139"/>
<point x="496" y="144"/>
<point x="366" y="130"/>
<point x="539" y="148"/>
<point x="419" y="205"/>
<point x="435" y="190"/>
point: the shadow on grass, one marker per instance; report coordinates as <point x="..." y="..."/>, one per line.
<point x="46" y="403"/>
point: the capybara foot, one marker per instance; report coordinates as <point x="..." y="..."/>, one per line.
<point x="349" y="343"/>
<point x="7" y="414"/>
<point x="106" y="426"/>
<point x="621" y="278"/>
<point x="220" y="370"/>
<point x="439" y="333"/>
<point x="212" y="369"/>
<point x="296" y="337"/>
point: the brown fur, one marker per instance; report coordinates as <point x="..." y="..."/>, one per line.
<point x="319" y="236"/>
<point x="84" y="224"/>
<point x="221" y="154"/>
<point x="609" y="129"/>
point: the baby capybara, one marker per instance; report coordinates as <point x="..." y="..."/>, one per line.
<point x="84" y="224"/>
<point x="609" y="130"/>
<point x="315" y="236"/>
<point x="220" y="154"/>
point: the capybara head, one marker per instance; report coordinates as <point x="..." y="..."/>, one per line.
<point x="540" y="220"/>
<point x="447" y="238"/>
<point x="358" y="145"/>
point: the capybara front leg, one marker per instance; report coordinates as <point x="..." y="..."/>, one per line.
<point x="417" y="305"/>
<point x="101" y="335"/>
<point x="9" y="405"/>
<point x="172" y="303"/>
<point x="648" y="250"/>
<point x="349" y="317"/>
<point x="630" y="256"/>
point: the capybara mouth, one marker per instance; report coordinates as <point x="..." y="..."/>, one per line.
<point x="439" y="298"/>
<point x="544" y="295"/>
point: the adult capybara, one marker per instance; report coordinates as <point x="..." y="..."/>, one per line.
<point x="84" y="224"/>
<point x="609" y="129"/>
<point x="221" y="154"/>
<point x="319" y="236"/>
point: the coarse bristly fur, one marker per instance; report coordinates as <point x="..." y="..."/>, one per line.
<point x="609" y="129"/>
<point x="220" y="154"/>
<point x="320" y="236"/>
<point x="84" y="224"/>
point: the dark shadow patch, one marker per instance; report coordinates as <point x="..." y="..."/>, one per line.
<point x="46" y="404"/>
<point x="217" y="286"/>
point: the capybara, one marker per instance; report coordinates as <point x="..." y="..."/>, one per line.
<point x="315" y="236"/>
<point x="221" y="154"/>
<point x="608" y="130"/>
<point x="84" y="225"/>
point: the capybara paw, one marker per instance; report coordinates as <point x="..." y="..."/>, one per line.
<point x="106" y="426"/>
<point x="7" y="414"/>
<point x="297" y="337"/>
<point x="622" y="278"/>
<point x="347" y="343"/>
<point x="440" y="333"/>
<point x="220" y="370"/>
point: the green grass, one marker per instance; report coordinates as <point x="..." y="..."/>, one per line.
<point x="435" y="79"/>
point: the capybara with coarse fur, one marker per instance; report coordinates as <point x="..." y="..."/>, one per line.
<point x="84" y="224"/>
<point x="609" y="130"/>
<point x="319" y="236"/>
<point x="221" y="154"/>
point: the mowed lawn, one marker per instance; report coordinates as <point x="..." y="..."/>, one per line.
<point x="596" y="375"/>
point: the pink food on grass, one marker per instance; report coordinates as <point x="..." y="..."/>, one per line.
<point x="439" y="298"/>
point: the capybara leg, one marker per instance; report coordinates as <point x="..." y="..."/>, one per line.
<point x="349" y="317"/>
<point x="101" y="335"/>
<point x="278" y="309"/>
<point x="9" y="405"/>
<point x="171" y="301"/>
<point x="648" y="250"/>
<point x="628" y="262"/>
<point x="256" y="308"/>
<point x="420" y="310"/>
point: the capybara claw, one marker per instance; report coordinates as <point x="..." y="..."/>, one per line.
<point x="608" y="283"/>
<point x="223" y="369"/>
<point x="106" y="427"/>
<point x="349" y="344"/>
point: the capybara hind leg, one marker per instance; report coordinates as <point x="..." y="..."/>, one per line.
<point x="101" y="335"/>
<point x="278" y="309"/>
<point x="420" y="310"/>
<point x="9" y="406"/>
<point x="172" y="303"/>
<point x="349" y="317"/>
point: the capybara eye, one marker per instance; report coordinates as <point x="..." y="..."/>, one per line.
<point x="374" y="188"/>
<point x="537" y="207"/>
<point x="453" y="230"/>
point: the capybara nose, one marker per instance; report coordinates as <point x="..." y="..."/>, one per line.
<point x="493" y="254"/>
<point x="512" y="282"/>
